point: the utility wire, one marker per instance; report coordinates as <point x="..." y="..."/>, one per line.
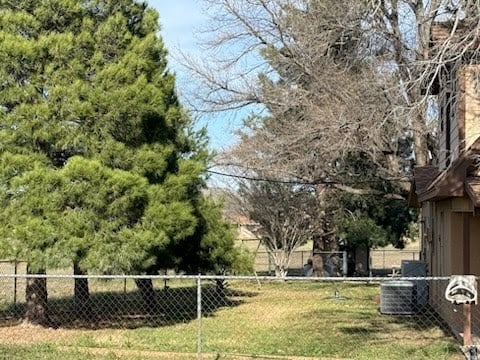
<point x="297" y="182"/>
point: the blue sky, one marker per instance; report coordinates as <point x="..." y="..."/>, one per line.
<point x="181" y="21"/>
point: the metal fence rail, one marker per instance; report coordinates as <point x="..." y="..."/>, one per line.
<point x="195" y="316"/>
<point x="335" y="262"/>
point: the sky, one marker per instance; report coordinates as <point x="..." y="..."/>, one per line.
<point x="181" y="21"/>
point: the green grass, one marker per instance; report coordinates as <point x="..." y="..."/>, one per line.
<point x="275" y="319"/>
<point x="51" y="352"/>
<point x="46" y="352"/>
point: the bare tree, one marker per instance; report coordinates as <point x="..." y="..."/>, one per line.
<point x="287" y="214"/>
<point x="323" y="98"/>
<point x="355" y="74"/>
<point x="335" y="78"/>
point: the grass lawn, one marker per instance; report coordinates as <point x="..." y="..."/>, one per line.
<point x="272" y="319"/>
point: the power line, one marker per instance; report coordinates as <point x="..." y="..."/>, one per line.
<point x="298" y="182"/>
<point x="244" y="177"/>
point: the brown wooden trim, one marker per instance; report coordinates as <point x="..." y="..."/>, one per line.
<point x="413" y="198"/>
<point x="473" y="196"/>
<point x="466" y="243"/>
<point x="451" y="182"/>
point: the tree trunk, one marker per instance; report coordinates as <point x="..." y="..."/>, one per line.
<point x="82" y="302"/>
<point x="281" y="261"/>
<point x="280" y="271"/>
<point x="37" y="300"/>
<point x="145" y="286"/>
<point x="317" y="256"/>
<point x="420" y="140"/>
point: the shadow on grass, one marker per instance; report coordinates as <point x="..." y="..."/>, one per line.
<point x="375" y="324"/>
<point x="425" y="319"/>
<point x="127" y="310"/>
<point x="359" y="316"/>
<point x="360" y="330"/>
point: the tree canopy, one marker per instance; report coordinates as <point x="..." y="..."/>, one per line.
<point x="99" y="164"/>
<point x="339" y="83"/>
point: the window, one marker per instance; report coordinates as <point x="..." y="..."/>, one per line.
<point x="448" y="127"/>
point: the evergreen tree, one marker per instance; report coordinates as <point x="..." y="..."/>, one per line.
<point x="371" y="220"/>
<point x="99" y="168"/>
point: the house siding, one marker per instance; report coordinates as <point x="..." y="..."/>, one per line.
<point x="474" y="250"/>
<point x="471" y="103"/>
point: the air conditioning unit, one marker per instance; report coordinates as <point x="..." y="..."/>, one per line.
<point x="398" y="297"/>
<point x="417" y="268"/>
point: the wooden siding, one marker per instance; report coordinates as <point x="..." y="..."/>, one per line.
<point x="440" y="245"/>
<point x="427" y="233"/>
<point x="463" y="106"/>
<point x="456" y="244"/>
<point x="471" y="103"/>
<point x="446" y="224"/>
<point x="474" y="250"/>
<point x="462" y="205"/>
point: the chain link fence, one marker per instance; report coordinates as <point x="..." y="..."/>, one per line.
<point x="382" y="259"/>
<point x="187" y="317"/>
<point x="335" y="263"/>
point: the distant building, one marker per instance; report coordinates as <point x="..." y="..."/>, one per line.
<point x="246" y="230"/>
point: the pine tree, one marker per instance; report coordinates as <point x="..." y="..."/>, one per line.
<point x="99" y="168"/>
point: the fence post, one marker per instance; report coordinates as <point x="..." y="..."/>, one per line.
<point x="15" y="270"/>
<point x="345" y="264"/>
<point x="467" y="325"/>
<point x="269" y="265"/>
<point x="199" y="316"/>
